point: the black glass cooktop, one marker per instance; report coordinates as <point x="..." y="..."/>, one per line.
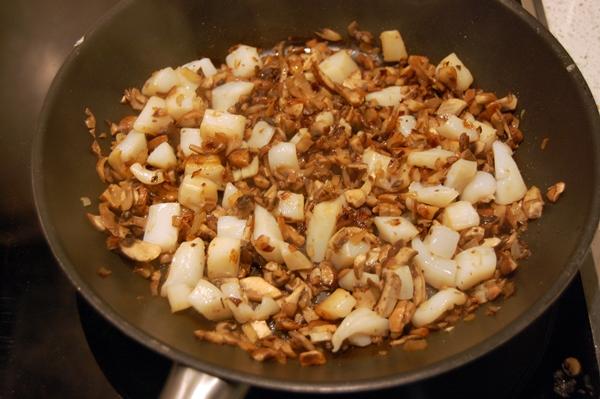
<point x="53" y="344"/>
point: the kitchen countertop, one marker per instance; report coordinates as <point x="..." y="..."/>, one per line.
<point x="576" y="25"/>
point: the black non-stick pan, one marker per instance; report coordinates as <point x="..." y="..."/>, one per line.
<point x="507" y="51"/>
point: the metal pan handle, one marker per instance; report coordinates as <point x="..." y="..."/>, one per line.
<point x="186" y="383"/>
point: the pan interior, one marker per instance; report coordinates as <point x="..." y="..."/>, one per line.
<point x="503" y="51"/>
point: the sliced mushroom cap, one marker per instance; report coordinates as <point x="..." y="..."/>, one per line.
<point x="139" y="250"/>
<point x="257" y="287"/>
<point x="390" y="293"/>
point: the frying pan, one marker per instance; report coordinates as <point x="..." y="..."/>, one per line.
<point x="504" y="47"/>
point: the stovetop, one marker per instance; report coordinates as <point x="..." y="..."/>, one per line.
<point x="53" y="344"/>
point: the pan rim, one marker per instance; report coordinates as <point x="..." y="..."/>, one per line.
<point x="443" y="366"/>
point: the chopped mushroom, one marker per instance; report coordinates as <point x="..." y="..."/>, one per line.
<point x="312" y="358"/>
<point x="389" y="294"/>
<point x="555" y="191"/>
<point x="139" y="250"/>
<point x="533" y="203"/>
<point x="256" y="288"/>
<point x="329" y="34"/>
<point x="401" y="315"/>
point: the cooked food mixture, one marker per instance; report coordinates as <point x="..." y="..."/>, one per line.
<point x="320" y="195"/>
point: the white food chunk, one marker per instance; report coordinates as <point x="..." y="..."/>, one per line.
<point x="360" y="340"/>
<point x="294" y="258"/>
<point x="204" y="64"/>
<point x="377" y="165"/>
<point x="463" y="75"/>
<point x="488" y="133"/>
<point x="187" y="265"/>
<point x="337" y="305"/>
<point x="290" y="205"/>
<point x="460" y="174"/>
<point x="247" y="171"/>
<point x="460" y="215"/>
<point x="474" y="266"/>
<point x="438" y="195"/>
<point x="338" y="66"/>
<point x="261" y="135"/>
<point x="406" y="124"/>
<point x="345" y="255"/>
<point x="480" y="189"/>
<point x="229" y="94"/>
<point x="242" y="312"/>
<point x="349" y="281"/>
<point x="510" y="186"/>
<point x="393" y="46"/>
<point x="301" y="134"/>
<point x="209" y="301"/>
<point x="182" y="100"/>
<point x="266" y="308"/>
<point x="429" y="158"/>
<point x="231" y="288"/>
<point x="243" y="61"/>
<point x="451" y="106"/>
<point x="231" y="226"/>
<point x="163" y="157"/>
<point x="189" y="136"/>
<point x="230" y="195"/>
<point x="178" y="296"/>
<point x="208" y="166"/>
<point x="160" y="82"/>
<point x="438" y="272"/>
<point x="185" y="271"/>
<point x="361" y="321"/>
<point x="453" y="127"/>
<point x="395" y="228"/>
<point x="159" y="228"/>
<point x="321" y="227"/>
<point x="388" y="97"/>
<point x="188" y="79"/>
<point x="223" y="257"/>
<point x="261" y="329"/>
<point x="146" y="176"/>
<point x="442" y="241"/>
<point x="154" y="118"/>
<point x="433" y="308"/>
<point x="321" y="333"/>
<point x="266" y="225"/>
<point x="196" y="192"/>
<point x="283" y="155"/>
<point x="133" y="147"/>
<point x="375" y="161"/>
<point x="325" y="119"/>
<point x="230" y="125"/>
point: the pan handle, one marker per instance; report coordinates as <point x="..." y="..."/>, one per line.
<point x="187" y="383"/>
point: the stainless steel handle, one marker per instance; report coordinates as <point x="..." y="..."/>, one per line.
<point x="187" y="383"/>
